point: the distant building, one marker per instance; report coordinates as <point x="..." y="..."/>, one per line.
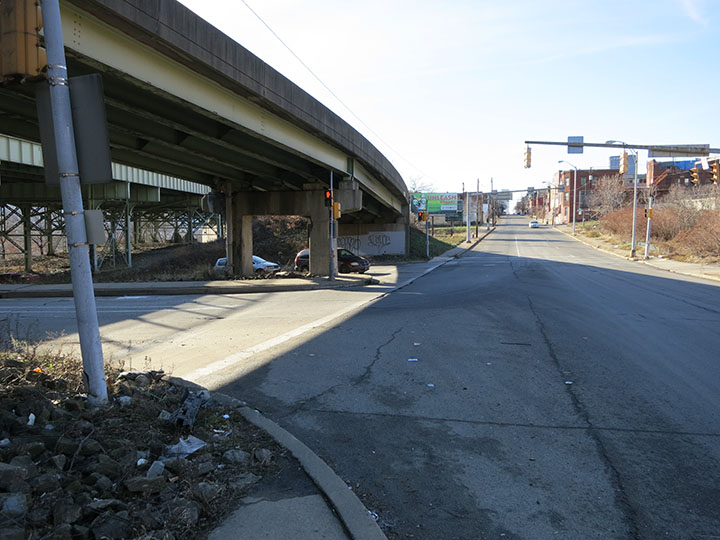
<point x="562" y="197"/>
<point x="662" y="175"/>
<point x="632" y="163"/>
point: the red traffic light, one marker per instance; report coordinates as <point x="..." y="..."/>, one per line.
<point x="328" y="197"/>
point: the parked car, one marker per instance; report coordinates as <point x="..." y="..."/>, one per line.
<point x="260" y="265"/>
<point x="534" y="224"/>
<point x="347" y="261"/>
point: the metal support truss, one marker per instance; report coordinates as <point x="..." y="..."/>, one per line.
<point x="31" y="230"/>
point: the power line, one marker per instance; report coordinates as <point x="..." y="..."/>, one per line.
<point x="330" y="90"/>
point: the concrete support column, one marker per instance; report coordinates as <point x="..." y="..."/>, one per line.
<point x="240" y="238"/>
<point x="405" y="221"/>
<point x="245" y="246"/>
<point x="229" y="230"/>
<point x="320" y="240"/>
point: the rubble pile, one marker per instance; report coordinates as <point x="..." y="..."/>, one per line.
<point x="159" y="461"/>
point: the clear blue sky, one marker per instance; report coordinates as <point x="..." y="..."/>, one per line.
<point x="451" y="89"/>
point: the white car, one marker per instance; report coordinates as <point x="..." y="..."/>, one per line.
<point x="260" y="265"/>
<point x="534" y="224"/>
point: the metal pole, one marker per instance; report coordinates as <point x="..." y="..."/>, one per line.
<point x="634" y="220"/>
<point x="333" y="234"/>
<point x="574" y="198"/>
<point x="128" y="238"/>
<point x="478" y="201"/>
<point x="467" y="217"/>
<point x="27" y="237"/>
<point x="427" y="239"/>
<point x="83" y="294"/>
<point x="489" y="216"/>
<point x="649" y="226"/>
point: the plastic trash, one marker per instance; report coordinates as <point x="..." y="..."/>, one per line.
<point x="568" y="382"/>
<point x="184" y="447"/>
<point x="412" y="359"/>
<point x="431" y="385"/>
<point x="31" y="419"/>
<point x="416" y="344"/>
<point x="124" y="400"/>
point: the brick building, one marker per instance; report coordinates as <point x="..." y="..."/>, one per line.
<point x="662" y="175"/>
<point x="562" y="200"/>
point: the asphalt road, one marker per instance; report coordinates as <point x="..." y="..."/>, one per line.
<point x="558" y="392"/>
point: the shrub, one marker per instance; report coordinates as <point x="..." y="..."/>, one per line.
<point x="702" y="240"/>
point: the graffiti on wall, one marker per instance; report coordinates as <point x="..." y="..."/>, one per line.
<point x="374" y="243"/>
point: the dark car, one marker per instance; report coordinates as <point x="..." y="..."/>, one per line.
<point x="347" y="261"/>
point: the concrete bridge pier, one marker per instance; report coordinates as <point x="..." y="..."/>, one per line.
<point x="242" y="206"/>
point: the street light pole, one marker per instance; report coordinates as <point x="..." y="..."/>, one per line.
<point x="635" y="187"/>
<point x="574" y="191"/>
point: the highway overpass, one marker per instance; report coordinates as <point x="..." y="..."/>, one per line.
<point x="185" y="100"/>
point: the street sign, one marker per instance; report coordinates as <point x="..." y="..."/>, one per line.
<point x="502" y="196"/>
<point x="575" y="145"/>
<point x="687" y="150"/>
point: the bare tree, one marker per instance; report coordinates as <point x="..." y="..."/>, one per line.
<point x="417" y="185"/>
<point x="608" y="196"/>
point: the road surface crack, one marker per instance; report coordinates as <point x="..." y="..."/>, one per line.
<point x="621" y="497"/>
<point x="307" y="405"/>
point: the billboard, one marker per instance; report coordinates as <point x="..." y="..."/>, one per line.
<point x="434" y="203"/>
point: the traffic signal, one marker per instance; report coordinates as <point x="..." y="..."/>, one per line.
<point x="336" y="210"/>
<point x="715" y="168"/>
<point x="624" y="163"/>
<point x="695" y="175"/>
<point x="422" y="216"/>
<point x="527" y="157"/>
<point x="328" y="198"/>
<point x="649" y="213"/>
<point x="21" y="53"/>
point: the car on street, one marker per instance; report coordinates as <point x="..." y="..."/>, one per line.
<point x="260" y="265"/>
<point x="347" y="261"/>
<point x="534" y="224"/>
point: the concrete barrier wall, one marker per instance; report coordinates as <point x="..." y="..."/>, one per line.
<point x="387" y="239"/>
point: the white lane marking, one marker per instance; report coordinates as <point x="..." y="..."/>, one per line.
<point x="238" y="357"/>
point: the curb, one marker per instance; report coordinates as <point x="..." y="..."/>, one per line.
<point x="352" y="512"/>
<point x="642" y="261"/>
<point x="148" y="290"/>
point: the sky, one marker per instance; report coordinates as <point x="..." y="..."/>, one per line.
<point x="449" y="90"/>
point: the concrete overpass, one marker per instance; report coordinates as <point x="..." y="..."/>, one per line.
<point x="186" y="101"/>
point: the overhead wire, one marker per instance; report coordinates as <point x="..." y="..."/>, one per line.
<point x="318" y="79"/>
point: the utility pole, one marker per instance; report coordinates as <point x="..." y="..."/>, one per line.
<point x="427" y="239"/>
<point x="478" y="200"/>
<point x="489" y="205"/>
<point x="69" y="177"/>
<point x="333" y="234"/>
<point x="649" y="212"/>
<point x="467" y="216"/>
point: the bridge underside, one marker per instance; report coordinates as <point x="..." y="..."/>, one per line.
<point x="175" y="112"/>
